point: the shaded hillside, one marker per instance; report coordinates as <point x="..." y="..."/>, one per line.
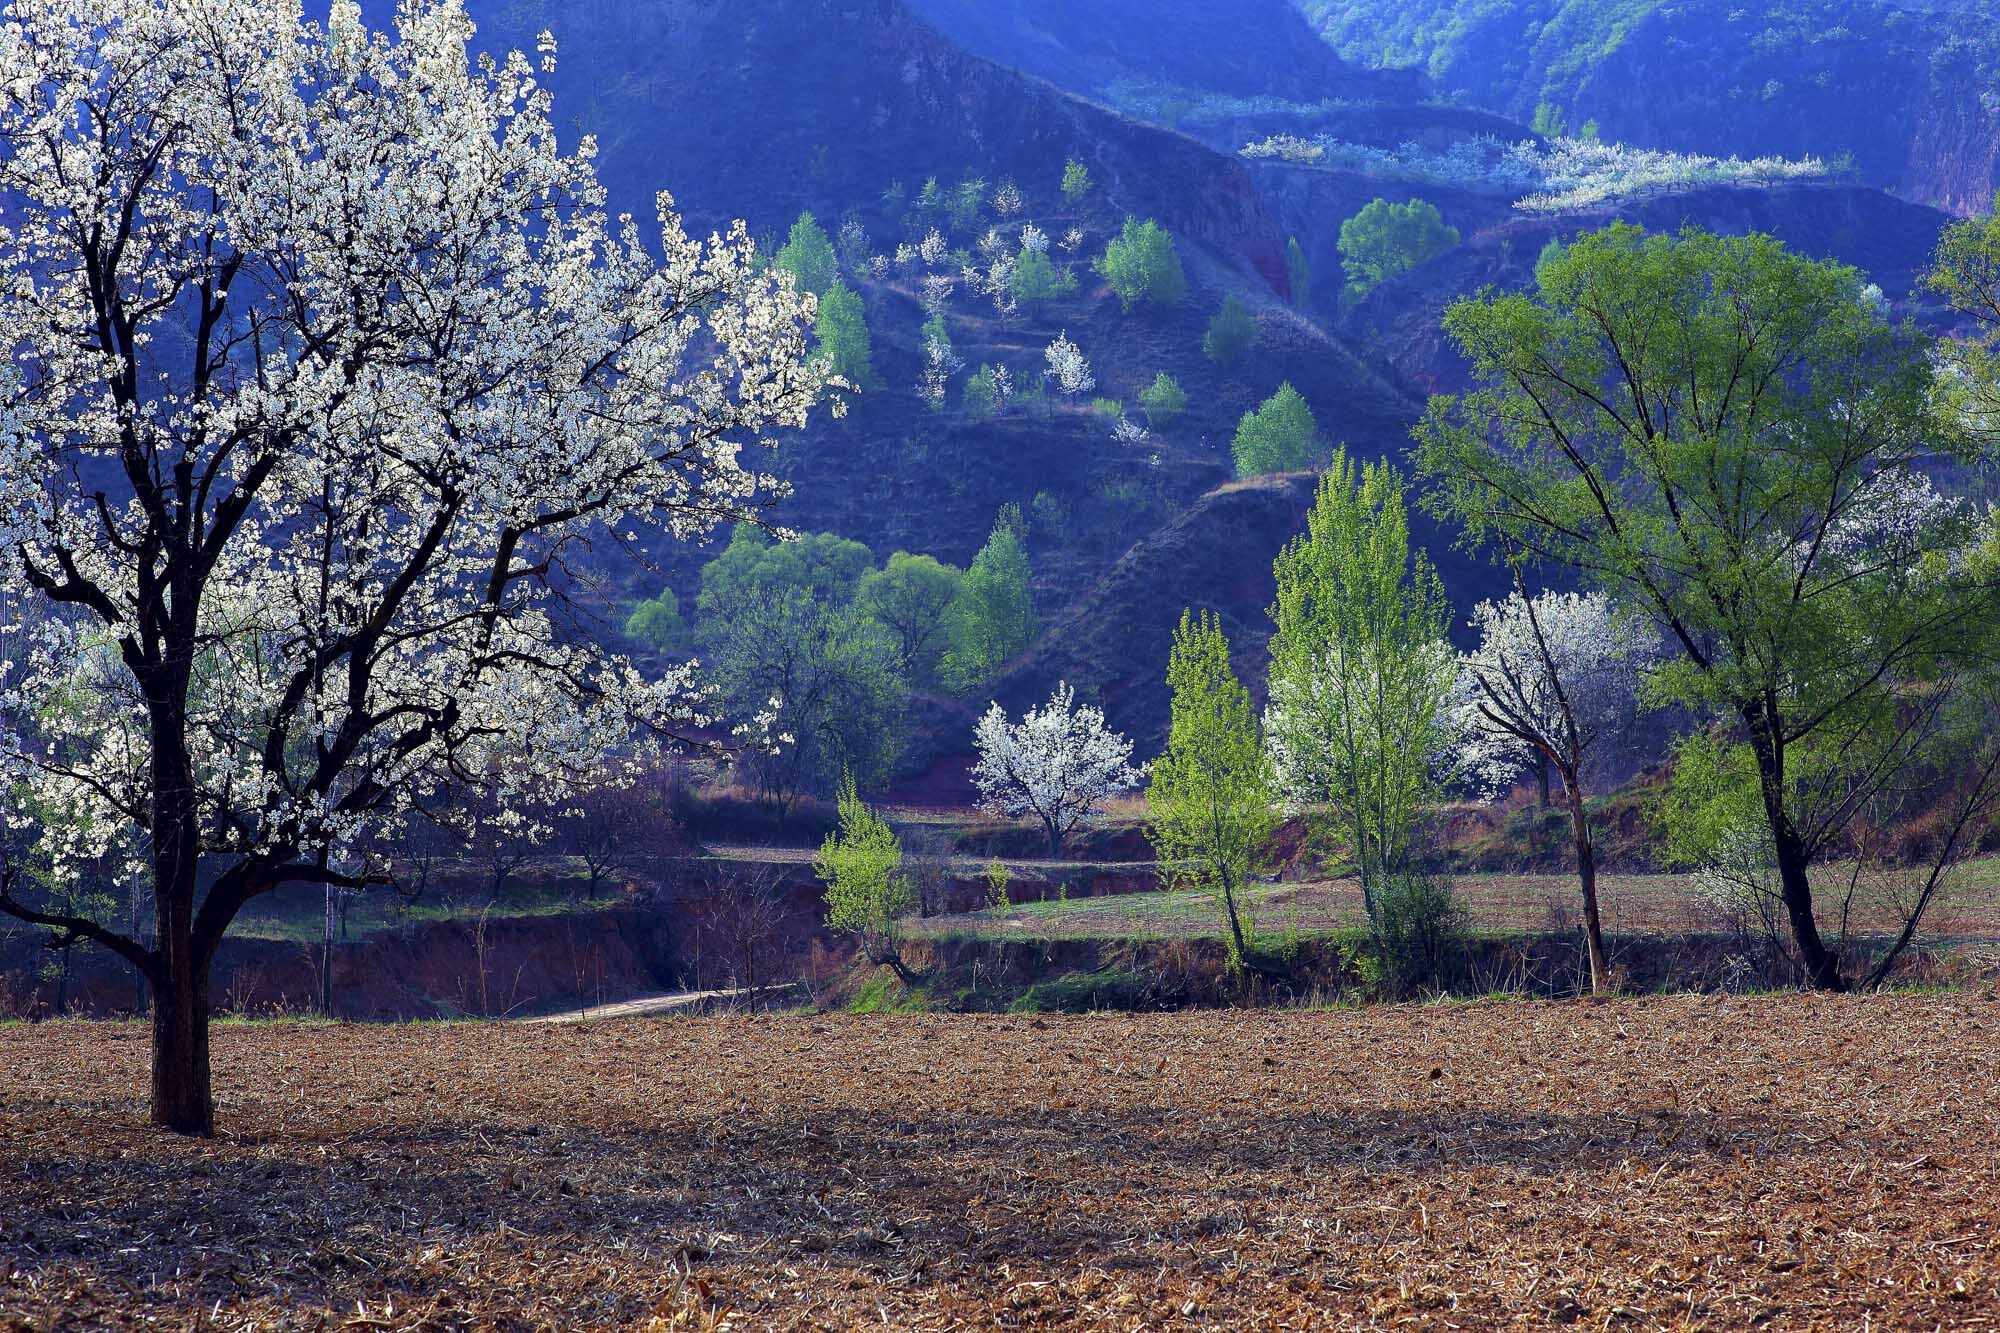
<point x="764" y="108"/>
<point x="1912" y="92"/>
<point x="1123" y="49"/>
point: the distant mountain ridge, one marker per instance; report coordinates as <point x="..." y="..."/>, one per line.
<point x="1910" y="91"/>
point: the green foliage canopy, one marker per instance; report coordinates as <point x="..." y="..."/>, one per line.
<point x="1142" y="266"/>
<point x="1277" y="437"/>
<point x="1734" y="439"/>
<point x="1211" y="803"/>
<point x="1386" y="239"/>
<point x="1230" y="333"/>
<point x="808" y="256"/>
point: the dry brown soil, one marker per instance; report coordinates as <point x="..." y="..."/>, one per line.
<point x="1794" y="1162"/>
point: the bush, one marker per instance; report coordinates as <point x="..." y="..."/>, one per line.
<point x="1419" y="932"/>
<point x="657" y="623"/>
<point x="1036" y="279"/>
<point x="1162" y="400"/>
<point x="1143" y="266"/>
<point x="1385" y="239"/>
<point x="1230" y="333"/>
<point x="1277" y="437"/>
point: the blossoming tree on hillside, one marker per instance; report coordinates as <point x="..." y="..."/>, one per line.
<point x="1060" y="763"/>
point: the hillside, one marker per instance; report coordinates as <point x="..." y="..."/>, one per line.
<point x="1911" y="92"/>
<point x="1153" y="53"/>
<point x="880" y="98"/>
<point x="1887" y="239"/>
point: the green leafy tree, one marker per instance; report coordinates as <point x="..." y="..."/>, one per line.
<point x="867" y="894"/>
<point x="1163" y="400"/>
<point x="1142" y="266"/>
<point x="993" y="618"/>
<point x="1734" y="440"/>
<point x="808" y="256"/>
<point x="911" y="597"/>
<point x="1361" y="672"/>
<point x="1277" y="437"/>
<point x="1075" y="181"/>
<point x="981" y="393"/>
<point x="752" y="567"/>
<point x="657" y="623"/>
<point x="930" y="199"/>
<point x="1037" y="279"/>
<point x="824" y="674"/>
<point x="967" y="202"/>
<point x="1966" y="273"/>
<point x="1231" y="332"/>
<point x="1386" y="239"/>
<point x="1211" y="804"/>
<point x="1298" y="271"/>
<point x="842" y="328"/>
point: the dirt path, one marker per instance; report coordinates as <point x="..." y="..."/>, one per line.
<point x="646" y="1006"/>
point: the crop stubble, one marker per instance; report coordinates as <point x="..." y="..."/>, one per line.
<point x="1680" y="1162"/>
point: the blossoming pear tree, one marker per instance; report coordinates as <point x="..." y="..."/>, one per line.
<point x="1059" y="763"/>
<point x="327" y="361"/>
<point x="1551" y="677"/>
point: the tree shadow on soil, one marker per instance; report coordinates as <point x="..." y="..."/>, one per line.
<point x="322" y="1219"/>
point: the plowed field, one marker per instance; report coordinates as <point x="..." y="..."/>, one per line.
<point x="1684" y="1163"/>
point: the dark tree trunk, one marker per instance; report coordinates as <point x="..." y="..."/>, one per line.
<point x="181" y="1099"/>
<point x="1822" y="965"/>
<point x="1586" y="878"/>
<point x="1542" y="779"/>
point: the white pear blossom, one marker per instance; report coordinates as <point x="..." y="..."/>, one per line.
<point x="1060" y="763"/>
<point x="906" y="257"/>
<point x="940" y="364"/>
<point x="934" y="247"/>
<point x="1129" y="432"/>
<point x="1068" y="366"/>
<point x="1007" y="199"/>
<point x="1034" y="240"/>
<point x="937" y="291"/>
<point x="1073" y="239"/>
<point x="327" y="360"/>
<point x="1553" y="683"/>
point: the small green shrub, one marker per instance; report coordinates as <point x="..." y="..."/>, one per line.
<point x="1420" y="930"/>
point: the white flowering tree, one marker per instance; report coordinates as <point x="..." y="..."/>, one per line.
<point x="326" y="361"/>
<point x="1551" y="677"/>
<point x="1059" y="763"/>
<point x="1068" y="366"/>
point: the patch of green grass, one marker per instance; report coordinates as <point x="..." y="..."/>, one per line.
<point x="1082" y="993"/>
<point x="296" y="915"/>
<point x="883" y="993"/>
